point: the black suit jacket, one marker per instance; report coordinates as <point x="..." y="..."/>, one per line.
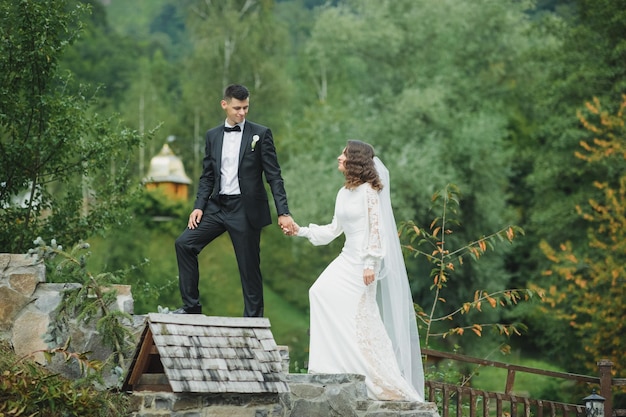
<point x="253" y="163"/>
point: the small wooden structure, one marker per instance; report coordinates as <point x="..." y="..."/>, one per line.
<point x="202" y="354"/>
<point x="167" y="173"/>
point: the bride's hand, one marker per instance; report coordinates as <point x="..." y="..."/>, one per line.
<point x="293" y="230"/>
<point x="368" y="276"/>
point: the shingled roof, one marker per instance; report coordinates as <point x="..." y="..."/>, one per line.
<point x="204" y="354"/>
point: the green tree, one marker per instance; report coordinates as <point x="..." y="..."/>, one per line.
<point x="589" y="60"/>
<point x="100" y="60"/>
<point x="587" y="63"/>
<point x="586" y="292"/>
<point x="443" y="91"/>
<point x="64" y="168"/>
<point x="235" y="41"/>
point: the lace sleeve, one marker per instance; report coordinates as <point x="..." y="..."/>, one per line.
<point x="373" y="244"/>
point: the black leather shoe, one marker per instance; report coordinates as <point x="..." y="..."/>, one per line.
<point x="188" y="310"/>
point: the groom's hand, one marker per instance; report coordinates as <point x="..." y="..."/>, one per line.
<point x="286" y="224"/>
<point x="194" y="219"/>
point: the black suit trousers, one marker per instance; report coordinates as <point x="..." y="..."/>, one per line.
<point x="246" y="240"/>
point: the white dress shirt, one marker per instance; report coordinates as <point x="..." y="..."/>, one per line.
<point x="230" y="162"/>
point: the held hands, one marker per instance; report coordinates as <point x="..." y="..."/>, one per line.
<point x="368" y="276"/>
<point x="288" y="226"/>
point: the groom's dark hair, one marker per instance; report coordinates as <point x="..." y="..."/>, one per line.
<point x="237" y="91"/>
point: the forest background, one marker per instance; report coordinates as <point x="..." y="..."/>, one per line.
<point x="495" y="97"/>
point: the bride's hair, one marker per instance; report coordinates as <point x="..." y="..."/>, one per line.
<point x="359" y="165"/>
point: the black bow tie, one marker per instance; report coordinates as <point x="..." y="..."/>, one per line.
<point x="235" y="128"/>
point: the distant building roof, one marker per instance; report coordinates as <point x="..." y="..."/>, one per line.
<point x="167" y="167"/>
<point x="204" y="354"/>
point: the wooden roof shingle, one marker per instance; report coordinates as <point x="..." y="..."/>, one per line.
<point x="207" y="354"/>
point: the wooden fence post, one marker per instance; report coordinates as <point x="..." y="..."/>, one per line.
<point x="604" y="372"/>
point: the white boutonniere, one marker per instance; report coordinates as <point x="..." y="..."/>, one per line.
<point x="255" y="139"/>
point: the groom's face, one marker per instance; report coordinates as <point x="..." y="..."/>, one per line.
<point x="236" y="110"/>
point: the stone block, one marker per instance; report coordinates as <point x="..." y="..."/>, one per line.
<point x="161" y="403"/>
<point x="5" y="260"/>
<point x="341" y="401"/>
<point x="186" y="402"/>
<point x="125" y="302"/>
<point x="48" y="296"/>
<point x="28" y="330"/>
<point x="302" y="408"/>
<point x="230" y="411"/>
<point x="25" y="284"/>
<point x="345" y="395"/>
<point x="21" y="264"/>
<point x="148" y="400"/>
<point x="307" y="391"/>
<point x="401" y="408"/>
<point x="134" y="403"/>
<point x="188" y="414"/>
<point x="11" y="303"/>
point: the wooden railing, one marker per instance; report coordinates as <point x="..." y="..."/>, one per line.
<point x="463" y="401"/>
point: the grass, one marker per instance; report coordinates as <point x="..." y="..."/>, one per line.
<point x="530" y="385"/>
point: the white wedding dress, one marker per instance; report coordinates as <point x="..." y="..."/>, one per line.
<point x="347" y="332"/>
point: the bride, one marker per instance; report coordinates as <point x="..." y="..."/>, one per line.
<point x="362" y="316"/>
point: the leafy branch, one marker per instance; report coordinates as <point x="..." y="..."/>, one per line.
<point x="28" y="389"/>
<point x="82" y="359"/>
<point x="91" y="299"/>
<point x="500" y="298"/>
<point x="432" y="243"/>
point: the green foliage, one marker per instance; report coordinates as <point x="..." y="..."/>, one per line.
<point x="28" y="389"/>
<point x="91" y="300"/>
<point x="434" y="244"/>
<point x="142" y="251"/>
<point x="100" y="60"/>
<point x="224" y="54"/>
<point x="436" y="109"/>
<point x="65" y="170"/>
<point x="585" y="292"/>
<point x="155" y="210"/>
<point x="447" y="372"/>
<point x="588" y="62"/>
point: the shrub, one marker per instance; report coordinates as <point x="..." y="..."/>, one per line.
<point x="29" y="389"/>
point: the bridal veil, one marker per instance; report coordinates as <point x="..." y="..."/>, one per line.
<point x="394" y="293"/>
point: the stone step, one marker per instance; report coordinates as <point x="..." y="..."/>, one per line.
<point x="345" y="395"/>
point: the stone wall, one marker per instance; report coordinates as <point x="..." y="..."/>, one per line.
<point x="19" y="277"/>
<point x="312" y="395"/>
<point x="28" y="310"/>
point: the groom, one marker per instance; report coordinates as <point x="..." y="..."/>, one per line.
<point x="232" y="198"/>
